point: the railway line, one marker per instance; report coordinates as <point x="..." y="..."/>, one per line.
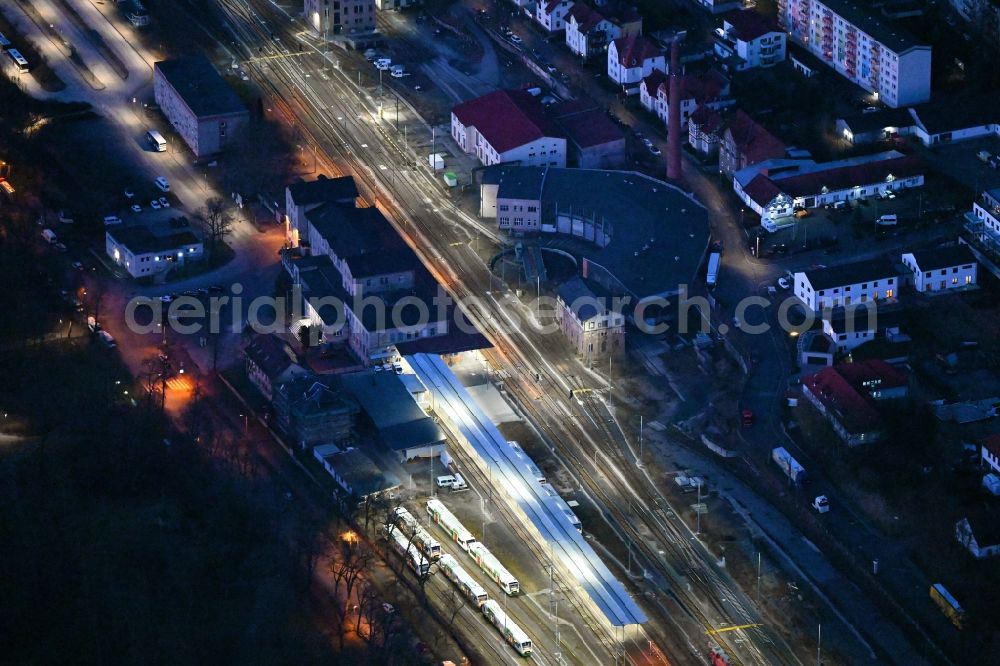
<point x="698" y="598"/>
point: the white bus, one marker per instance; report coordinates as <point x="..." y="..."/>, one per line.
<point x="462" y="580"/>
<point x="425" y="542"/>
<point x="19" y="60"/>
<point x="409" y="552"/>
<point x="512" y="633"/>
<point x="450" y="524"/>
<point x="491" y="566"/>
<point x="156" y="141"/>
<point x="712" y="274"/>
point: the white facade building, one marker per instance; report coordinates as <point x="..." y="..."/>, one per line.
<point x="144" y="254"/>
<point x="551" y="14"/>
<point x="508" y="126"/>
<point x="589" y="31"/>
<point x="846" y="285"/>
<point x="942" y="269"/>
<point x="334" y="17"/>
<point x="632" y="58"/>
<point x="880" y="58"/>
<point x="592" y="328"/>
<point x="747" y="39"/>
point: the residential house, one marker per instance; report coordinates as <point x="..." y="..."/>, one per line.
<point x="590" y="30"/>
<point x="508" y="126"/>
<point x="990" y="453"/>
<point x="748" y="39"/>
<point x="270" y="361"/>
<point x="704" y="129"/>
<point x="144" y="253"/>
<point x="551" y="14"/>
<point x="848" y="395"/>
<point x="632" y="58"/>
<point x="744" y="143"/>
<point x="981" y="539"/>
<point x="775" y="189"/>
<point x="336" y="17"/>
<point x="855" y="42"/>
<point x="311" y="410"/>
<point x="356" y="474"/>
<point x="198" y="103"/>
<point x="593" y="140"/>
<point x="649" y="89"/>
<point x="707" y="88"/>
<point x="594" y="330"/>
<point x="941" y="269"/>
<point x="847" y="284"/>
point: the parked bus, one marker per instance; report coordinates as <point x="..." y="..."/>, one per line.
<point x="512" y="633"/>
<point x="462" y="580"/>
<point x="491" y="566"/>
<point x="712" y="274"/>
<point x="19" y="61"/>
<point x="450" y="524"/>
<point x="949" y="606"/>
<point x="156" y="141"/>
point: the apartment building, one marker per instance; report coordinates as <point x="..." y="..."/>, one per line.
<point x="335" y="17"/>
<point x="632" y="58"/>
<point x="551" y="14"/>
<point x="748" y="39"/>
<point x="942" y="269"/>
<point x="590" y="30"/>
<point x="879" y="57"/>
<point x="845" y="285"/>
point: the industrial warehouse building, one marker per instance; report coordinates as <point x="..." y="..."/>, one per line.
<point x="199" y="104"/>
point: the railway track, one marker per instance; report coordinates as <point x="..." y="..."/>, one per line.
<point x="695" y="587"/>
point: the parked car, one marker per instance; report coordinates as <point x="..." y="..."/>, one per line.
<point x="136" y="208"/>
<point x="77" y="265"/>
<point x="784" y="283"/>
<point x="129" y="194"/>
<point x="162" y="184"/>
<point x="164" y="202"/>
<point x="155" y="204"/>
<point x="821" y="503"/>
<point x="515" y="39"/>
<point x="653" y="149"/>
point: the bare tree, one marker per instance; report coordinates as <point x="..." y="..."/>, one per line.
<point x="217" y="217"/>
<point x="352" y="563"/>
<point x="454" y="602"/>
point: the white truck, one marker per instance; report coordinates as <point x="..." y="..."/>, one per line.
<point x="789" y="465"/>
<point x="712" y="275"/>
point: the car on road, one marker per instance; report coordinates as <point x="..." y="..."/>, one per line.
<point x="77" y="265"/>
<point x="399" y="73"/>
<point x="821" y="504"/>
<point x="136" y="208"/>
<point x="551" y="69"/>
<point x="106" y="339"/>
<point x="165" y="202"/>
<point x="653" y="149"/>
<point x="383" y="64"/>
<point x="515" y="39"/>
<point x="155" y="204"/>
<point x="162" y="183"/>
<point x="784" y="283"/>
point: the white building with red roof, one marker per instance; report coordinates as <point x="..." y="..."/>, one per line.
<point x="749" y="39"/>
<point x="551" y="14"/>
<point x="632" y="58"/>
<point x="704" y="129"/>
<point x="775" y="188"/>
<point x="589" y="31"/>
<point x="508" y="126"/>
<point x="707" y="88"/>
<point x="745" y="142"/>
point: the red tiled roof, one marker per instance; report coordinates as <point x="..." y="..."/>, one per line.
<point x="849" y="176"/>
<point x="857" y="374"/>
<point x="702" y="87"/>
<point x="761" y="189"/>
<point x="992" y="444"/>
<point x="707" y="118"/>
<point x="748" y="25"/>
<point x="752" y="141"/>
<point x="846" y="404"/>
<point x="586" y="124"/>
<point x="633" y="50"/>
<point x="586" y="17"/>
<point x="653" y="82"/>
<point x="506" y="118"/>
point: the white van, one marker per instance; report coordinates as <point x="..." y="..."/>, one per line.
<point x="112" y="220"/>
<point x="156" y="141"/>
<point x="459" y="484"/>
<point x="887" y="220"/>
<point x="445" y="481"/>
<point x="162" y="183"/>
<point x="839" y="205"/>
